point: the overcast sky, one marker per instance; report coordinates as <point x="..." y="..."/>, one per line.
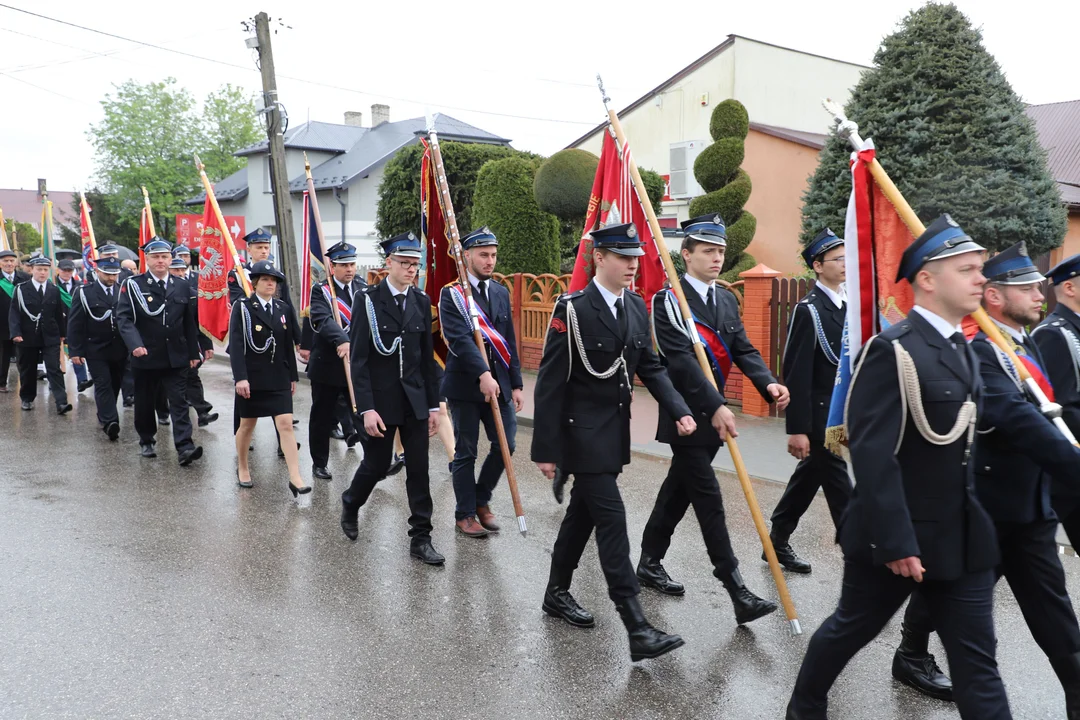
<point x="522" y="70"/>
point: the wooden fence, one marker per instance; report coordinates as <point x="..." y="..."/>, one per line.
<point x="786" y="293"/>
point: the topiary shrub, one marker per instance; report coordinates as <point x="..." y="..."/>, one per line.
<point x="727" y="186"/>
<point x="505" y="202"/>
<point x="654" y="186"/>
<point x="746" y="261"/>
<point x="564" y="181"/>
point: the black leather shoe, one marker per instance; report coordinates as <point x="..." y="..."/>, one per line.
<point x="207" y="418"/>
<point x="1068" y="672"/>
<point x="188" y="456"/>
<point x="63" y="409"/>
<point x="395" y="467"/>
<point x="558" y="484"/>
<point x="296" y="421"/>
<point x="787" y="557"/>
<point x="85" y="385"/>
<point x="559" y="603"/>
<point x="645" y="640"/>
<point x="424" y="552"/>
<point x="914" y="666"/>
<point x="147" y="450"/>
<point x="652" y="574"/>
<point x="27" y="405"/>
<point x="352" y="439"/>
<point x="337" y="434"/>
<point x="321" y="473"/>
<point x="163" y="420"/>
<point x="113" y="430"/>
<point x="348" y="522"/>
<point x="748" y="606"/>
<point x="129" y="402"/>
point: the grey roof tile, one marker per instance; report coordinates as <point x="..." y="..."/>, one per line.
<point x="234" y="187"/>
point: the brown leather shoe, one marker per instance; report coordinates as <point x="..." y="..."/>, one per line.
<point x="487" y="518"/>
<point x="470" y="528"/>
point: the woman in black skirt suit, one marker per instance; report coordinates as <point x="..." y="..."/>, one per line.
<point x="261" y="340"/>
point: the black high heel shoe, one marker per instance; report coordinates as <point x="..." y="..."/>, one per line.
<point x="242" y="484"/>
<point x="297" y="492"/>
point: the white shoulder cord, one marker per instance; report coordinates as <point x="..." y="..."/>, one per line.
<point x="138" y="296"/>
<point x="575" y="332"/>
<point x="86" y="306"/>
<point x="22" y="304"/>
<point x="1073" y="344"/>
<point x="911" y="396"/>
<point x="271" y="342"/>
<point x="376" y="337"/>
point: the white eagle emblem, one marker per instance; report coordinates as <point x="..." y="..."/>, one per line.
<point x="212" y="262"/>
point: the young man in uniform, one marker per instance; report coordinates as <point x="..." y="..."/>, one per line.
<point x="597" y="341"/>
<point x="913" y="520"/>
<point x="181" y="267"/>
<point x="691" y="479"/>
<point x="811" y="355"/>
<point x="393" y="372"/>
<point x="37" y="325"/>
<point x="65" y="280"/>
<point x="127" y="385"/>
<point x="472" y="378"/>
<point x="10" y="276"/>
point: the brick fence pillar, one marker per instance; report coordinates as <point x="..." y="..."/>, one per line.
<point x="757" y="295"/>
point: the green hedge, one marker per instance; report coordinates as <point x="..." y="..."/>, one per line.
<point x="564" y="182"/>
<point x="729" y="120"/>
<point x="505" y="202"/>
<point x="717" y="164"/>
<point x="740" y="233"/>
<point x="745" y="262"/>
<point x="728" y="200"/>
<point x="654" y="186"/>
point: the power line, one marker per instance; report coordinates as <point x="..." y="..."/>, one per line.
<point x="315" y="83"/>
<point x="44" y="89"/>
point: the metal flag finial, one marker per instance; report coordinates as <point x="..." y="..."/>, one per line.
<point x="603" y="93"/>
<point x="847" y="129"/>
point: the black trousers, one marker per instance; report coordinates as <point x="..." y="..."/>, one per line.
<point x="127" y="385"/>
<point x="691" y="481"/>
<point x="470" y="490"/>
<point x="378" y="454"/>
<point x="325" y="400"/>
<point x="821" y="469"/>
<point x="595" y="502"/>
<point x="148" y="385"/>
<point x="27" y="359"/>
<point x="7" y="354"/>
<point x="108" y="375"/>
<point x="869" y="597"/>
<point x="195" y="394"/>
<point x="1067" y="508"/>
<point x="1030" y="564"/>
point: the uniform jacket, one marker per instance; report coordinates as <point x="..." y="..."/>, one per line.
<point x="1063" y="375"/>
<point x="52" y="323"/>
<point x="324" y="366"/>
<point x="236" y="291"/>
<point x="90" y="338"/>
<point x="809" y="374"/>
<point x="582" y="422"/>
<point x="5" y="300"/>
<point x="170" y="338"/>
<point x="918" y="500"/>
<point x="465" y="364"/>
<point x="398" y="389"/>
<point x="677" y="354"/>
<point x="274" y="369"/>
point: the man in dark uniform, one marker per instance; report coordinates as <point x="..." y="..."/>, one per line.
<point x="690" y="479"/>
<point x="471" y="379"/>
<point x="258" y="249"/>
<point x="66" y="281"/>
<point x="10" y="276"/>
<point x="598" y="339"/>
<point x="127" y="385"/>
<point x="1058" y="338"/>
<point x="95" y="340"/>
<point x="37" y="325"/>
<point x="156" y="317"/>
<point x="393" y="371"/>
<point x="1017" y="451"/>
<point x="913" y="520"/>
<point x="330" y="346"/>
<point x="811" y="355"/>
<point x="181" y="267"/>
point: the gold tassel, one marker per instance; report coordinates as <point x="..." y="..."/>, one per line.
<point x="836" y="440"/>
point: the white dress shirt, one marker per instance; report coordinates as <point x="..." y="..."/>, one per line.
<point x="939" y="323"/>
<point x="838" y="296"/>
<point x="609" y="298"/>
<point x="703" y="289"/>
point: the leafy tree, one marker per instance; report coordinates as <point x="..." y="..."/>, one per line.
<point x="505" y="202"/>
<point x="228" y="124"/>
<point x="28" y="236"/>
<point x="111" y="224"/>
<point x="654" y="186"/>
<point x="952" y="135"/>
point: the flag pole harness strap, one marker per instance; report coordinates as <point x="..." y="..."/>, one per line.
<point x="376" y="338"/>
<point x="911" y="398"/>
<point x="575" y="331"/>
<point x="22" y="305"/>
<point x="137" y="296"/>
<point x="670" y="304"/>
<point x="270" y="344"/>
<point x="819" y="331"/>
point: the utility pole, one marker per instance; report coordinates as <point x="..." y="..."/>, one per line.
<point x="279" y="178"/>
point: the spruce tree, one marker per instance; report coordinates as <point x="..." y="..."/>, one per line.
<point x="952" y="135"/>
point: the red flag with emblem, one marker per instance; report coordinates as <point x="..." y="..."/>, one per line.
<point x="144" y="237"/>
<point x="439" y="266"/>
<point x="614" y="200"/>
<point x="215" y="263"/>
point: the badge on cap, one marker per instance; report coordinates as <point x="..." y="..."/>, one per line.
<point x="631" y="232"/>
<point x="950" y="221"/>
<point x="718" y="220"/>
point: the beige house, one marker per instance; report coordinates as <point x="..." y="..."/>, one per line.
<point x="1058" y="127"/>
<point x="782" y="90"/>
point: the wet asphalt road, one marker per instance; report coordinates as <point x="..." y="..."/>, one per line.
<point x="138" y="589"/>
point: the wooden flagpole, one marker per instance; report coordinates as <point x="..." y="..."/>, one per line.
<point x="706" y="368"/>
<point x="237" y="265"/>
<point x="849" y="130"/>
<point x="89" y="227"/>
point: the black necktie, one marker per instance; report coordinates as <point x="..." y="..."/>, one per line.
<point x="41" y="293"/>
<point x="343" y="294"/>
<point x="400" y="300"/>
<point x="960" y="343"/>
<point x="481" y="289"/>
<point x="710" y="304"/>
<point x="620" y="316"/>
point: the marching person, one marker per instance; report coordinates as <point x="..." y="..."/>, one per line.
<point x="691" y="479"/>
<point x="258" y="250"/>
<point x="329" y="346"/>
<point x="582" y="399"/>
<point x="37" y="326"/>
<point x="393" y="371"/>
<point x="471" y="379"/>
<point x="1017" y="451"/>
<point x="127" y="386"/>
<point x="95" y="341"/>
<point x="10" y="276"/>
<point x="261" y="341"/>
<point x="156" y="317"/>
<point x="913" y="520"/>
<point x="811" y="355"/>
<point x="204" y="412"/>
<point x="1058" y="339"/>
<point x="66" y="281"/>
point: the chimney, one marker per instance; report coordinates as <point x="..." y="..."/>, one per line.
<point x="354" y="119"/>
<point x="379" y="115"/>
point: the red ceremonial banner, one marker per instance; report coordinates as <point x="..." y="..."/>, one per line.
<point x="215" y="263"/>
<point x="439" y="266"/>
